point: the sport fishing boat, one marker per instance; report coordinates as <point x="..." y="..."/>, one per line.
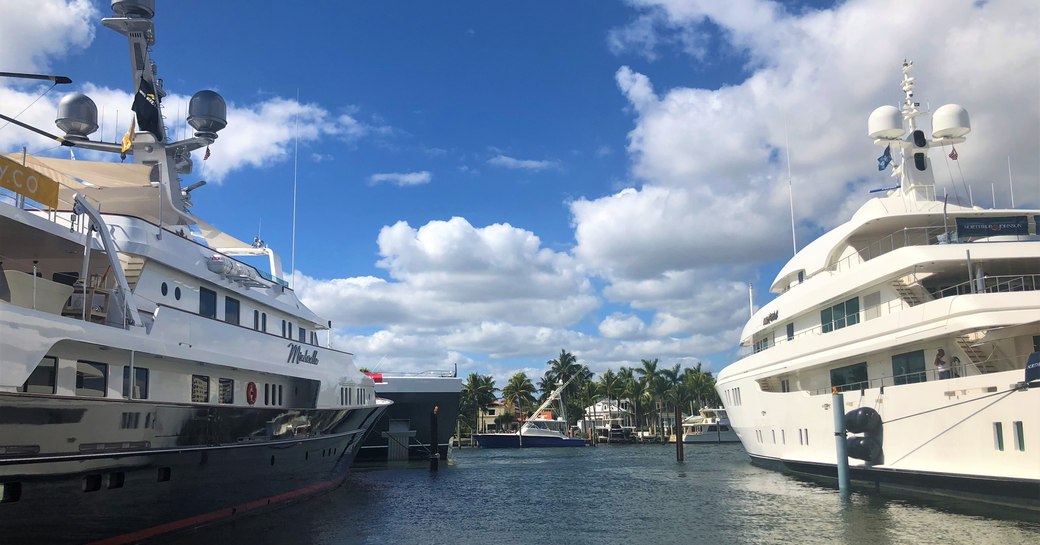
<point x="710" y="426"/>
<point x="925" y="316"/>
<point x="542" y="429"/>
<point x="405" y="431"/>
<point x="149" y="380"/>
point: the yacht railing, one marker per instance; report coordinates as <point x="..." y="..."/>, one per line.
<point x="963" y="369"/>
<point x="915" y="236"/>
<point x="983" y="285"/>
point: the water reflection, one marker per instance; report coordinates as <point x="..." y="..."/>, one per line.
<point x="624" y="494"/>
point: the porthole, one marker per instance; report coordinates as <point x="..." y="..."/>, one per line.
<point x="177" y="293"/>
<point x="164" y="289"/>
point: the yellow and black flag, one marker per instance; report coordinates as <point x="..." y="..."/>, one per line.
<point x="146" y="105"/>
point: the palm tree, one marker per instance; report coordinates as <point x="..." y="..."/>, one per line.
<point x="634" y="390"/>
<point x="680" y="388"/>
<point x="562" y="369"/>
<point x="651" y="379"/>
<point x="479" y="393"/>
<point x="520" y="390"/>
<point x="611" y="386"/>
<point x="673" y="391"/>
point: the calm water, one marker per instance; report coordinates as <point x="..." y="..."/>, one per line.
<point x="630" y="494"/>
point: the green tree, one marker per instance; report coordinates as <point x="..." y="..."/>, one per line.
<point x="610" y="385"/>
<point x="562" y="369"/>
<point x="479" y="393"/>
<point x="634" y="390"/>
<point x="651" y="379"/>
<point x="519" y="391"/>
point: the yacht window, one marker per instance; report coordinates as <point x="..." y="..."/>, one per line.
<point x="850" y="377"/>
<point x="91" y="379"/>
<point x="290" y="335"/>
<point x="762" y="344"/>
<point x="140" y="382"/>
<point x="164" y="289"/>
<point x="226" y="391"/>
<point x="231" y="310"/>
<point x="279" y="394"/>
<point x="177" y="293"/>
<point x="283" y="328"/>
<point x="998" y="435"/>
<point x="908" y="368"/>
<point x="785" y="385"/>
<point x="199" y="389"/>
<point x="256" y="319"/>
<point x="207" y="303"/>
<point x="42" y="380"/>
<point x="840" y="315"/>
<point x="1020" y="438"/>
<point x="263" y="322"/>
<point x="790" y="331"/>
<point x="267" y="394"/>
<point x="303" y="335"/>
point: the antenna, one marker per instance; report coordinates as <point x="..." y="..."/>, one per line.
<point x="751" y="300"/>
<point x="296" y="154"/>
<point x="1011" y="183"/>
<point x="790" y="188"/>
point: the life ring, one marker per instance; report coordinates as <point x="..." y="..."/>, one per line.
<point x="251" y="393"/>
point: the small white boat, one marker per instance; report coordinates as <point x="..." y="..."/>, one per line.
<point x="711" y="426"/>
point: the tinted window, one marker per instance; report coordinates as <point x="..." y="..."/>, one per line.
<point x="42" y="379"/>
<point x="140" y="382"/>
<point x="91" y="379"/>
<point x="231" y="307"/>
<point x="207" y="303"/>
<point x="199" y="389"/>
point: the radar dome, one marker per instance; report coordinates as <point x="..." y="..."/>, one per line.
<point x="134" y="8"/>
<point x="885" y="122"/>
<point x="77" y="116"/>
<point x="950" y="121"/>
<point x="207" y="113"/>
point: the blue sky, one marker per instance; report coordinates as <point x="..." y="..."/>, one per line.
<point x="487" y="183"/>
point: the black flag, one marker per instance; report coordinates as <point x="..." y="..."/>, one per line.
<point x="146" y="105"/>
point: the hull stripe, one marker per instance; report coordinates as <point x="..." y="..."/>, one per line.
<point x="219" y="514"/>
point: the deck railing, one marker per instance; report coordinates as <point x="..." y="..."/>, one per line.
<point x="984" y="285"/>
<point x="963" y="369"/>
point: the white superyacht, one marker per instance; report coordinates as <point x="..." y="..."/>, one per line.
<point x="926" y="315"/>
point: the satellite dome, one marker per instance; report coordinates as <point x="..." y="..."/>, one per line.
<point x="950" y="121"/>
<point x="77" y="116"/>
<point x="134" y="8"/>
<point x="885" y="122"/>
<point x="207" y="113"/>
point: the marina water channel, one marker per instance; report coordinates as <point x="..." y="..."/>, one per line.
<point x="610" y="494"/>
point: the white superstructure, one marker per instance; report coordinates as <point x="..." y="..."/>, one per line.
<point x="866" y="308"/>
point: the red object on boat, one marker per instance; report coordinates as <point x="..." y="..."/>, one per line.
<point x="378" y="377"/>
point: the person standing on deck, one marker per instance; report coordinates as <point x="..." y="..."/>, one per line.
<point x="941" y="366"/>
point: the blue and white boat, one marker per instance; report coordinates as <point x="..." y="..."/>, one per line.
<point x="537" y="431"/>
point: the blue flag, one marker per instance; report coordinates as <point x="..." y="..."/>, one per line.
<point x="885" y="159"/>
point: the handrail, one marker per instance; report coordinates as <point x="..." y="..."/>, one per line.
<point x="989" y="285"/>
<point x="126" y="296"/>
<point x="927" y="375"/>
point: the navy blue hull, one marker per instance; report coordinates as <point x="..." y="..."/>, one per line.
<point x="512" y="440"/>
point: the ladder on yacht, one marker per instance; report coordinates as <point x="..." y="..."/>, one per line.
<point x="968" y="344"/>
<point x="132" y="267"/>
<point x="909" y="292"/>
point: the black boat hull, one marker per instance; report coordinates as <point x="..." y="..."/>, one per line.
<point x="411" y="413"/>
<point x="210" y="464"/>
